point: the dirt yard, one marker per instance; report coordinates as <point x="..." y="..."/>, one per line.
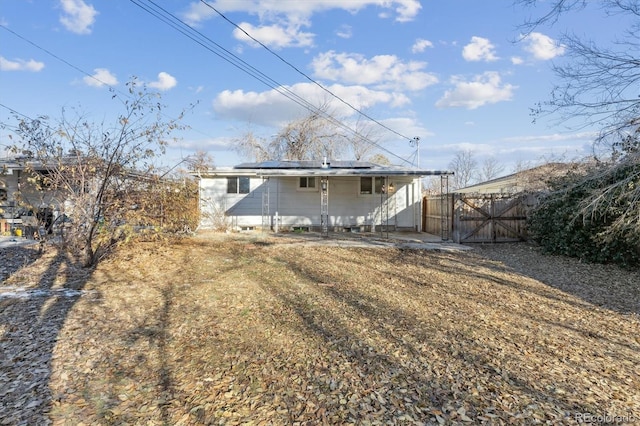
<point x="249" y="329"/>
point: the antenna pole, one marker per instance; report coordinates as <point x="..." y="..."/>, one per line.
<point x="416" y="141"/>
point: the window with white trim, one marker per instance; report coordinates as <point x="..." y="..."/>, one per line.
<point x="307" y="183"/>
<point x="372" y="185"/>
<point x="238" y="185"/>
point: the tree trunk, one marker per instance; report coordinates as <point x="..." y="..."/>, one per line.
<point x="88" y="255"/>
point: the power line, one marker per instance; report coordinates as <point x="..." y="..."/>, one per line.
<point x="176" y="23"/>
<point x="15" y="112"/>
<point x="54" y="56"/>
<point x="196" y="36"/>
<point x="303" y="73"/>
<point x="48" y="52"/>
<point x="193" y="34"/>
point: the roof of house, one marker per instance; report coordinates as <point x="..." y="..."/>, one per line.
<point x="317" y="168"/>
<point x="533" y="179"/>
<point x="18" y="163"/>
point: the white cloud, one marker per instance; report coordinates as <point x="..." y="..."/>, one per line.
<point x="208" y="144"/>
<point x="381" y="72"/>
<point x="407" y="10"/>
<point x="345" y="31"/>
<point x="518" y="151"/>
<point x="199" y="12"/>
<point x="405" y="125"/>
<point x="420" y="45"/>
<point x="165" y="82"/>
<point x="78" y="17"/>
<point x="543" y="47"/>
<point x="20" y="65"/>
<point x="554" y="137"/>
<point x="484" y="89"/>
<point x="479" y="49"/>
<point x="268" y="10"/>
<point x="274" y="35"/>
<point x="517" y="60"/>
<point x="271" y="108"/>
<point x="100" y="77"/>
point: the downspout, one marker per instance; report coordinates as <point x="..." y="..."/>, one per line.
<point x="415" y="207"/>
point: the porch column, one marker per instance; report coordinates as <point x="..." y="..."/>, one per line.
<point x="266" y="209"/>
<point x="324" y="205"/>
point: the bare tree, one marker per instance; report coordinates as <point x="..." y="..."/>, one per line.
<point x="522" y="165"/>
<point x="362" y="143"/>
<point x="433" y="185"/>
<point x="380" y="159"/>
<point x="598" y="86"/>
<point x="491" y="169"/>
<point x="200" y="161"/>
<point x="313" y="136"/>
<point x="99" y="170"/>
<point x="465" y="168"/>
<point x="251" y="146"/>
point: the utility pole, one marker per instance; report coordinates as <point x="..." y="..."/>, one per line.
<point x="416" y="142"/>
<point x="417" y="206"/>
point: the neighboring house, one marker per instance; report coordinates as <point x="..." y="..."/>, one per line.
<point x="530" y="180"/>
<point x="491" y="211"/>
<point x="312" y="195"/>
<point x="21" y="199"/>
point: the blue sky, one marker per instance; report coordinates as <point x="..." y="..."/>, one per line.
<point x="457" y="74"/>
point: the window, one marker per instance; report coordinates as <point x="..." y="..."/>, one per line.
<point x="369" y="184"/>
<point x="307" y="183"/>
<point x="238" y="185"/>
<point x="43" y="179"/>
<point x="365" y="185"/>
<point x="379" y="185"/>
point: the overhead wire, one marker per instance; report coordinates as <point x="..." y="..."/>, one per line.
<point x="80" y="70"/>
<point x="302" y="73"/>
<point x="179" y="25"/>
<point x="176" y="23"/>
<point x="53" y="55"/>
<point x="204" y="41"/>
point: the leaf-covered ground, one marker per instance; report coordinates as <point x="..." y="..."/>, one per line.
<point x="252" y="330"/>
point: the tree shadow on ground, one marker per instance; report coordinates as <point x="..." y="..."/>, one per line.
<point x="29" y="329"/>
<point x="400" y="330"/>
<point x="607" y="286"/>
<point x="13" y="259"/>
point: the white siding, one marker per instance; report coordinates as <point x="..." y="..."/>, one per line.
<point x="220" y="210"/>
<point x="301" y="207"/>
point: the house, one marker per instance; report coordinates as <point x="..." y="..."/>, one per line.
<point x="24" y="197"/>
<point x="491" y="211"/>
<point x="312" y="196"/>
<point x="530" y="180"/>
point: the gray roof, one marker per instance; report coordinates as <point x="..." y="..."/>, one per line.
<point x="319" y="168"/>
<point x="306" y="164"/>
<point x="533" y="179"/>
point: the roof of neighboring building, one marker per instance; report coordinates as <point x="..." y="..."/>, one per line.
<point x="533" y="179"/>
<point x="317" y="168"/>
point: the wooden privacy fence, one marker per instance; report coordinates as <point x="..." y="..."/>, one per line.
<point x="477" y="218"/>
